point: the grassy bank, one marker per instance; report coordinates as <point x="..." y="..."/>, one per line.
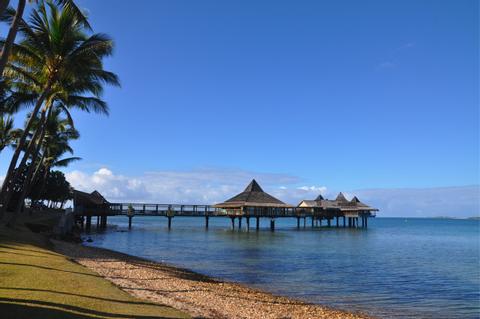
<point x="36" y="282"/>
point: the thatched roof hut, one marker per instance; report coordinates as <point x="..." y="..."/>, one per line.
<point x="91" y="202"/>
<point x="253" y="196"/>
<point x="340" y="204"/>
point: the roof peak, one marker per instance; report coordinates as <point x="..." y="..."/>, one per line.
<point x="355" y="199"/>
<point x="341" y="197"/>
<point x="319" y="198"/>
<point x="253" y="187"/>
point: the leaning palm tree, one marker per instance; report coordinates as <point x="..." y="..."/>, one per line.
<point x="55" y="61"/>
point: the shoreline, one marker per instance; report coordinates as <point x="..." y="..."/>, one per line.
<point x="199" y="295"/>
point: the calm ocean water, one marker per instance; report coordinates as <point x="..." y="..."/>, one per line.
<point x="397" y="268"/>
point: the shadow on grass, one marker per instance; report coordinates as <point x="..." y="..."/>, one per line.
<point x="79" y="295"/>
<point x="49" y="268"/>
<point x="16" y="308"/>
<point x="6" y="246"/>
<point x="21" y="254"/>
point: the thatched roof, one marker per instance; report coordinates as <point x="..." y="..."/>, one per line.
<point x="341" y="198"/>
<point x="89" y="199"/>
<point x="253" y="196"/>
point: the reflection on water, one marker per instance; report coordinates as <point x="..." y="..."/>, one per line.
<point x="397" y="268"/>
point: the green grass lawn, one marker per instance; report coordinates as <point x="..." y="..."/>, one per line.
<point x="36" y="282"/>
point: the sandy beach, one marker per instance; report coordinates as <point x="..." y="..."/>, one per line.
<point x="198" y="295"/>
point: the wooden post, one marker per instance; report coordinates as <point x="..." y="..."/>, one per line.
<point x="304" y="221"/>
<point x="329" y="222"/>
<point x="239" y="223"/>
<point x="98" y="221"/>
<point x="233" y="222"/>
<point x="130" y="222"/>
<point x="169" y="222"/>
<point x="313" y="221"/>
<point x="349" y="222"/>
<point x="88" y="224"/>
<point x="272" y="224"/>
<point x="156" y="209"/>
<point x="206" y="221"/>
<point x="344" y="222"/>
<point x="320" y="221"/>
<point x="248" y="223"/>
<point x="366" y="222"/>
<point x="258" y="223"/>
<point x="337" y="221"/>
<point x="298" y="222"/>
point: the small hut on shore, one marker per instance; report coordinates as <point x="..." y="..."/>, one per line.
<point x="86" y="205"/>
<point x="253" y="201"/>
<point x="90" y="203"/>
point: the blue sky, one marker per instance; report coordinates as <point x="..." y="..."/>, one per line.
<point x="338" y="94"/>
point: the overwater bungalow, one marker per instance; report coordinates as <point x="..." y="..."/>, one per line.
<point x="253" y="202"/>
<point x="340" y="207"/>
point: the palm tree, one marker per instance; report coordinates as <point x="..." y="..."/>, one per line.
<point x="16" y="21"/>
<point x="59" y="131"/>
<point x="55" y="61"/>
<point x="7" y="132"/>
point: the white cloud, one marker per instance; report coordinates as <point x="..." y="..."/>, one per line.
<point x="199" y="186"/>
<point x="208" y="186"/>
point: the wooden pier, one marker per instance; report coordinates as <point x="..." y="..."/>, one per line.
<point x="238" y="209"/>
<point x="303" y="216"/>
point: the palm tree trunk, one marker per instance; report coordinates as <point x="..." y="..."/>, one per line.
<point x="12" y="34"/>
<point x="39" y="131"/>
<point x="26" y="185"/>
<point x="36" y="175"/>
<point x="33" y="149"/>
<point x="21" y="144"/>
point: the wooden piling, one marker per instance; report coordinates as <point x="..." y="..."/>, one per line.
<point x="248" y="223"/>
<point x="233" y="222"/>
<point x="272" y="224"/>
<point x="298" y="222"/>
<point x="258" y="222"/>
<point x="88" y="223"/>
<point x="130" y="222"/>
<point x="206" y="221"/>
<point x="239" y="223"/>
<point x="169" y="222"/>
